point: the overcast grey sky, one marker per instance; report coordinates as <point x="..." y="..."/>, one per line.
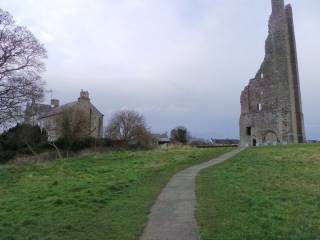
<point x="179" y="62"/>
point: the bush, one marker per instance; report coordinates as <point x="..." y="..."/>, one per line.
<point x="107" y="142"/>
<point x="22" y="136"/>
<point x="5" y="156"/>
<point x="21" y="139"/>
<point x="180" y="135"/>
<point x="77" y="145"/>
<point x="83" y="144"/>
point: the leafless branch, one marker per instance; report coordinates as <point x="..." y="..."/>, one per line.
<point x="21" y="65"/>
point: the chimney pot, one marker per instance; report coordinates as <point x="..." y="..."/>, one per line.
<point x="55" y="103"/>
<point x="84" y="95"/>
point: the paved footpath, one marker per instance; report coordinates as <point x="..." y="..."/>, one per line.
<point x="172" y="216"/>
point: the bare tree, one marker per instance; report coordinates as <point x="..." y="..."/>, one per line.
<point x="21" y="63"/>
<point x="180" y="134"/>
<point x="129" y="126"/>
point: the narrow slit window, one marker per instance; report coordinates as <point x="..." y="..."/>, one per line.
<point x="259" y="107"/>
<point x="249" y="131"/>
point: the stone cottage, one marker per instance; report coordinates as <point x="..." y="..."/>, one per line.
<point x="46" y="116"/>
<point x="271" y="109"/>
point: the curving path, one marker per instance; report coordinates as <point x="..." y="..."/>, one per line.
<point x="172" y="216"/>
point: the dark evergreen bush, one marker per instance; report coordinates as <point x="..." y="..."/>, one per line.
<point x="21" y="139"/>
<point x="5" y="156"/>
<point x="77" y="145"/>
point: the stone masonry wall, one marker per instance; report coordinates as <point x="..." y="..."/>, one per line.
<point x="271" y="111"/>
<point x="83" y="105"/>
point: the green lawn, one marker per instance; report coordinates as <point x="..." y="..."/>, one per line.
<point x="106" y="196"/>
<point x="263" y="193"/>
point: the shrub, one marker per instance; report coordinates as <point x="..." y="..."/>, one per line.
<point x="77" y="145"/>
<point x="5" y="156"/>
<point x="22" y="136"/>
<point x="21" y="139"/>
<point x="107" y="142"/>
<point x="180" y="135"/>
<point x="83" y="144"/>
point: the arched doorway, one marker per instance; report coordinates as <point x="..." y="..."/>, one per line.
<point x="254" y="142"/>
<point x="270" y="138"/>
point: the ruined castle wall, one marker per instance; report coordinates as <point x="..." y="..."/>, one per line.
<point x="270" y="105"/>
<point x="298" y="118"/>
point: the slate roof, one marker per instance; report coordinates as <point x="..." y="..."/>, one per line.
<point x="57" y="110"/>
<point x="162" y="137"/>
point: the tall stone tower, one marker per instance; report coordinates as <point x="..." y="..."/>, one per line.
<point x="271" y="110"/>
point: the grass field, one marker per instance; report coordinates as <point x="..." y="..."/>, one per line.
<point x="263" y="193"/>
<point x="106" y="196"/>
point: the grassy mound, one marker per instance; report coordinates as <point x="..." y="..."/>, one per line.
<point x="264" y="193"/>
<point x="107" y="196"/>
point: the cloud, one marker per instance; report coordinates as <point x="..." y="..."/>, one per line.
<point x="180" y="62"/>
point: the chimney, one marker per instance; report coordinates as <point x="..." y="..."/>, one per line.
<point x="55" y="103"/>
<point x="84" y="96"/>
<point x="277" y="6"/>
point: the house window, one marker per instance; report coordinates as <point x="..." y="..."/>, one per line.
<point x="249" y="131"/>
<point x="259" y="107"/>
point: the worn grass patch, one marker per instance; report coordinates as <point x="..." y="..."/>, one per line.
<point x="106" y="196"/>
<point x="263" y="193"/>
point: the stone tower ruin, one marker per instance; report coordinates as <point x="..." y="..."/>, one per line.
<point x="271" y="110"/>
